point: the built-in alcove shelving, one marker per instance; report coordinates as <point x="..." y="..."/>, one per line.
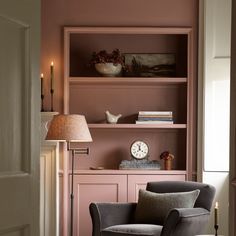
<point x="87" y="93"/>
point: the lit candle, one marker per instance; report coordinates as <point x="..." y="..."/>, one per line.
<point x="216" y="213"/>
<point x="41" y="84"/>
<point x="52" y="74"/>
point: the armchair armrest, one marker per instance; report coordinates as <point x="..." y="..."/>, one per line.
<point x="185" y="221"/>
<point x="107" y="214"/>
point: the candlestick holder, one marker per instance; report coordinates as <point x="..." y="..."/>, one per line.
<point x="52" y="92"/>
<point x="216" y="229"/>
<point x="42" y="100"/>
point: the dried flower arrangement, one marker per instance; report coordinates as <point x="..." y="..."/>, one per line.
<point x="103" y="56"/>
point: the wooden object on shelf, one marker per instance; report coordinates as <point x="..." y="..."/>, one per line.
<point x="87" y="93"/>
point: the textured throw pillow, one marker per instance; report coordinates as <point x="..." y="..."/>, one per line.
<point x="153" y="208"/>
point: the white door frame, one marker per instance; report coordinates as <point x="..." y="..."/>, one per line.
<point x="213" y="56"/>
<point x="232" y="187"/>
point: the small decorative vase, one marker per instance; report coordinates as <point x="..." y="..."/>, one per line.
<point x="168" y="164"/>
<point x="108" y="69"/>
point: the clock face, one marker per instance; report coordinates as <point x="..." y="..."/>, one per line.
<point x="139" y="150"/>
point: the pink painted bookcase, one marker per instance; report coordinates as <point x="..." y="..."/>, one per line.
<point x="87" y="93"/>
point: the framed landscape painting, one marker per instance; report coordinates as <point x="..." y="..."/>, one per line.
<point x="150" y="65"/>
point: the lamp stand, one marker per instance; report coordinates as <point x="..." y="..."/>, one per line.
<point x="74" y="152"/>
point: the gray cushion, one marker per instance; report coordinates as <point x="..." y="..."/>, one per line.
<point x="132" y="230"/>
<point x="153" y="208"/>
<point x="204" y="200"/>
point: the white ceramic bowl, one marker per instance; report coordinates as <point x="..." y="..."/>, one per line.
<point x="108" y="69"/>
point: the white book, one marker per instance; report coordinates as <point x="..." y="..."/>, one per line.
<point x="154" y="122"/>
<point x="167" y="113"/>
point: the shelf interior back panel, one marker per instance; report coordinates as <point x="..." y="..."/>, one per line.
<point x="83" y="45"/>
<point x="93" y="100"/>
<point x="110" y="147"/>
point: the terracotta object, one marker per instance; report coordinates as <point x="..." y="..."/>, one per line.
<point x="167" y="157"/>
<point x="168" y="164"/>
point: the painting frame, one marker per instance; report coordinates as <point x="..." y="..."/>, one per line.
<point x="150" y="64"/>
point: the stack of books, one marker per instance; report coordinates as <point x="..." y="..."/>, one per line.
<point x="155" y="117"/>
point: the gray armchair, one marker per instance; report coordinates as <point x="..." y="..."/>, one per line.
<point x="117" y="219"/>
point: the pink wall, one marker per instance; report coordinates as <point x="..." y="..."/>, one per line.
<point x="59" y="13"/>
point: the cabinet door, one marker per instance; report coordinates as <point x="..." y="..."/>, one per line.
<point x="95" y="188"/>
<point x="136" y="182"/>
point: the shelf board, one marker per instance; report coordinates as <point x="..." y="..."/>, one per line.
<point x="134" y="172"/>
<point x="137" y="126"/>
<point x="127" y="30"/>
<point x="127" y="80"/>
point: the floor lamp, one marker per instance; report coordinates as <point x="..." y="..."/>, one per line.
<point x="70" y="128"/>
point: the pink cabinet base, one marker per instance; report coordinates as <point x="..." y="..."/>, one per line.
<point x="108" y="187"/>
<point x="95" y="188"/>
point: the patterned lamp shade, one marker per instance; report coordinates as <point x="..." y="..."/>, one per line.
<point x="69" y="128"/>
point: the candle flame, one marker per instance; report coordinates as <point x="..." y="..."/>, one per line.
<point x="42" y="75"/>
<point x="52" y="63"/>
<point x="217" y="205"/>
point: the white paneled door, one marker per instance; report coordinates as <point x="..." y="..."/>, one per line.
<point x="19" y="117"/>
